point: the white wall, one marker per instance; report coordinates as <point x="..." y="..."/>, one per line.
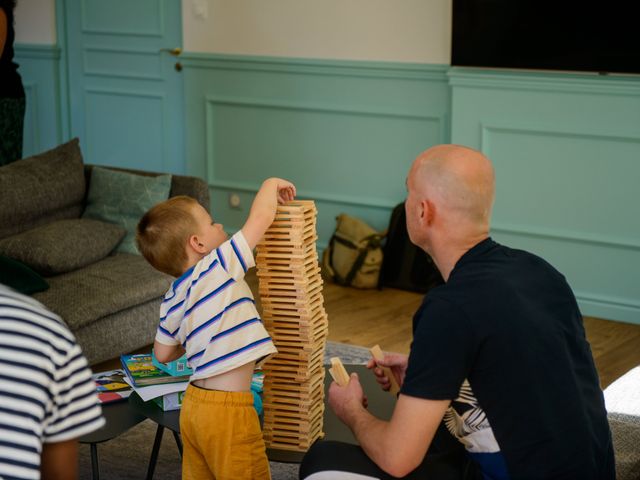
<point x="384" y="30"/>
<point x="36" y="21"/>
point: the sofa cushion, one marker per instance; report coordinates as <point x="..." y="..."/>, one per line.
<point x="108" y="286"/>
<point x="18" y="276"/>
<point x="122" y="198"/>
<point x="63" y="246"/>
<point x="39" y="189"/>
<point x="622" y="400"/>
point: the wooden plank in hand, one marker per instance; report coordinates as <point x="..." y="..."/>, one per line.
<point x="377" y="353"/>
<point x="338" y="372"/>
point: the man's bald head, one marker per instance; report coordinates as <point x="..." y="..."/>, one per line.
<point x="460" y="179"/>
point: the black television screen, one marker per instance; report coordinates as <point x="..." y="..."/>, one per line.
<point x="550" y="35"/>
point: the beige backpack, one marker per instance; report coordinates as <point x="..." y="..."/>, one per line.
<point x="354" y="254"/>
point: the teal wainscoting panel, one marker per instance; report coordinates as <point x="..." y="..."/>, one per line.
<point x="345" y="132"/>
<point x="566" y="149"/>
<point x="146" y="18"/>
<point x="39" y="66"/>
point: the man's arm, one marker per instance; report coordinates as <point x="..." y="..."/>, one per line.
<point x="399" y="445"/>
<point x="59" y="460"/>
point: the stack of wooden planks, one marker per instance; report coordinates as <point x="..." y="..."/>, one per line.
<point x="290" y="288"/>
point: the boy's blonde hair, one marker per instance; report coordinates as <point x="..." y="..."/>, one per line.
<point x="163" y="233"/>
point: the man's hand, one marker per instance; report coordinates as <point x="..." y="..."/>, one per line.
<point x="396" y="362"/>
<point x="348" y="400"/>
<point x="398" y="445"/>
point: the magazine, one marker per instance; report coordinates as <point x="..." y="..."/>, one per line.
<point x="142" y="372"/>
<point x="111" y="386"/>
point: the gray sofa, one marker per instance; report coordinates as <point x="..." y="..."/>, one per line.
<point x="109" y="299"/>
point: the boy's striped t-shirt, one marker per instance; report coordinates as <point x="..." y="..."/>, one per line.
<point x="210" y="310"/>
<point x="47" y="394"/>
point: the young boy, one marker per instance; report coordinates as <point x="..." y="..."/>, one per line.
<point x="209" y="312"/>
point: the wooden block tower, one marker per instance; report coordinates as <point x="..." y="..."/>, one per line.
<point x="290" y="288"/>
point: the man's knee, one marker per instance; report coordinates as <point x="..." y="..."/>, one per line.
<point x="316" y="458"/>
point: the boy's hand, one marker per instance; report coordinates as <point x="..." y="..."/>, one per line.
<point x="286" y="190"/>
<point x="263" y="209"/>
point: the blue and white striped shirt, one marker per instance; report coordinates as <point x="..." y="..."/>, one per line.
<point x="47" y="394"/>
<point x="210" y="311"/>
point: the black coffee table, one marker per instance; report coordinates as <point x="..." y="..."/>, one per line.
<point x="381" y="405"/>
<point x="169" y="419"/>
<point x="119" y="417"/>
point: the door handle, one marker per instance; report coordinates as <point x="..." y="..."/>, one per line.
<point x="172" y="51"/>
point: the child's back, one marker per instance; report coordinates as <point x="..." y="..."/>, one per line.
<point x="210" y="310"/>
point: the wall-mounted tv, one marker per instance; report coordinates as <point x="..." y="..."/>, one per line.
<point x="569" y="35"/>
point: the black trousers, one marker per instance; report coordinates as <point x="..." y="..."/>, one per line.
<point x="445" y="460"/>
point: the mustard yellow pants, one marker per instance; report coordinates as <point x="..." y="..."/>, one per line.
<point x="221" y="437"/>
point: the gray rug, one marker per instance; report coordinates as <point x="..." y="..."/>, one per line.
<point x="127" y="457"/>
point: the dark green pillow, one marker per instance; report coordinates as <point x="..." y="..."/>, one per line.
<point x="20" y="277"/>
<point x="122" y="198"/>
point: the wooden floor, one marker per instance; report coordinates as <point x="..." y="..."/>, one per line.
<point x="370" y="317"/>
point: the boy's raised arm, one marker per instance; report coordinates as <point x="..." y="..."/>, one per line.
<point x="263" y="208"/>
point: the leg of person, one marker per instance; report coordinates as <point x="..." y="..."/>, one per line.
<point x="342" y="461"/>
<point x="194" y="464"/>
<point x="244" y="455"/>
<point x="222" y="431"/>
<point x="11" y="129"/>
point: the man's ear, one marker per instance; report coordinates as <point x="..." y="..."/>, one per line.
<point x="195" y="244"/>
<point x="428" y="210"/>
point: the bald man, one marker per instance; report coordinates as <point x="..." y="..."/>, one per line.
<point x="499" y="356"/>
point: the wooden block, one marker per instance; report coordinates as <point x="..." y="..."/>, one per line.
<point x="311" y="389"/>
<point x="377" y="353"/>
<point x="282" y="269"/>
<point x="338" y="372"/>
<point x="290" y="287"/>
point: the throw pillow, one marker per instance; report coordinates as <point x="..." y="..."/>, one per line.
<point x="20" y="277"/>
<point x="41" y="189"/>
<point x="122" y="198"/>
<point x="63" y="246"/>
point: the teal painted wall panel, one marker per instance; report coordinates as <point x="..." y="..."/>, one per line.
<point x="328" y="151"/>
<point x="39" y="67"/>
<point x="566" y="149"/>
<point x="344" y="132"/>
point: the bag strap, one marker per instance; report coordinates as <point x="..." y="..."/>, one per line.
<point x="373" y="241"/>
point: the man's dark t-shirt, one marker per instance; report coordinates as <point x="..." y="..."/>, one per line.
<point x="504" y="339"/>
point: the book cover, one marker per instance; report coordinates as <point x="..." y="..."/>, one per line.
<point x="177" y="367"/>
<point x="111" y="387"/>
<point x="142" y="372"/>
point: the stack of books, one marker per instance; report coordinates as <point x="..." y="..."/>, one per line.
<point x="143" y="372"/>
<point x="293" y="314"/>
